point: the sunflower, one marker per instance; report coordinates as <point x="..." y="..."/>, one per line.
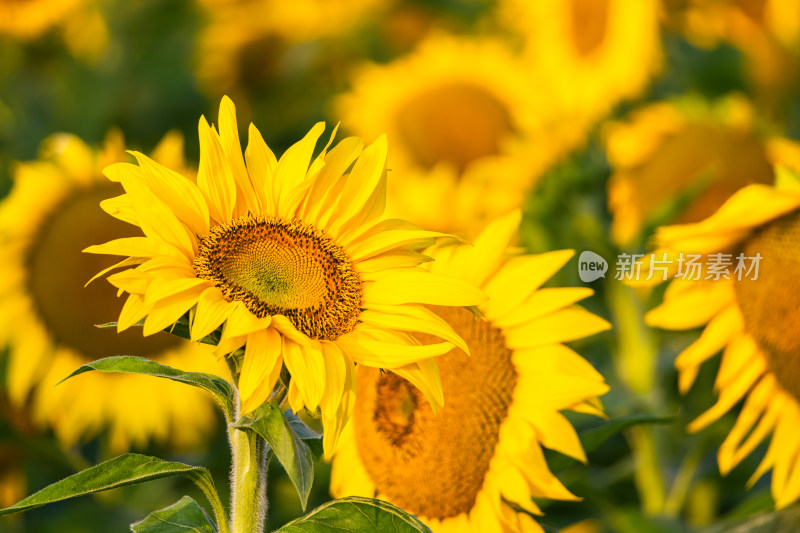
<point x="593" y="53"/>
<point x="504" y="401"/>
<point x="27" y="19"/>
<point x="294" y="260"/>
<point x="766" y="31"/>
<point x="686" y="148"/>
<point x="752" y="318"/>
<point x="470" y="132"/>
<point x="48" y="317"/>
<point x="245" y="39"/>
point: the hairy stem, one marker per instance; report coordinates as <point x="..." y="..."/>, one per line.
<point x="248" y="482"/>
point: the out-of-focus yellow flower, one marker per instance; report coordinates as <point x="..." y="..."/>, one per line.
<point x="593" y="53"/>
<point x="48" y="316"/>
<point x="245" y="39"/>
<point x="84" y="29"/>
<point x="292" y="258"/>
<point x="767" y="31"/>
<point x="30" y="18"/>
<point x="688" y="147"/>
<point x="470" y="133"/>
<point x="752" y="318"/>
<point x="458" y="470"/>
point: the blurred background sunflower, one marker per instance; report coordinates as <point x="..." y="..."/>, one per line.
<point x="599" y="120"/>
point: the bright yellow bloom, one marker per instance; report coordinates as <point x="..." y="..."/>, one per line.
<point x="30" y="18"/>
<point x="246" y="38"/>
<point x="687" y="148"/>
<point x="458" y="470"/>
<point x="593" y="53"/>
<point x="754" y="321"/>
<point x="470" y="132"/>
<point x="292" y="258"/>
<point x="767" y="31"/>
<point x="48" y="316"/>
<point x="83" y="28"/>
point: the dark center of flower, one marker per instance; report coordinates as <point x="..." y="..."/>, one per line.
<point x="434" y="465"/>
<point x="57" y="271"/>
<point x="589" y="24"/>
<point x="457" y="123"/>
<point x="754" y="9"/>
<point x="770" y="304"/>
<point x="279" y="267"/>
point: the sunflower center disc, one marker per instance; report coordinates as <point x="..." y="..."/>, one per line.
<point x="589" y="24"/>
<point x="770" y="304"/>
<point x="434" y="465"/>
<point x="58" y="270"/>
<point x="456" y="122"/>
<point x="278" y="267"/>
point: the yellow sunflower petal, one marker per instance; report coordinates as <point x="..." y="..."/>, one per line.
<point x="321" y="200"/>
<point x="339" y="397"/>
<point x="388" y="352"/>
<point x="182" y="196"/>
<point x="306" y="364"/>
<point x="232" y="148"/>
<point x="292" y="168"/>
<point x="412" y="318"/>
<point x="261" y="367"/>
<point x="214" y="175"/>
<point x="689" y="304"/>
<point x="562" y="326"/>
<point x="519" y="277"/>
<point x="731" y="395"/>
<point x="212" y="311"/>
<point x="133" y="247"/>
<point x="261" y="164"/>
<point x="404" y="286"/>
<point x="542" y="302"/>
<point x="425" y="376"/>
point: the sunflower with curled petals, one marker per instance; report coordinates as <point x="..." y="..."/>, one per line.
<point x="292" y="259"/>
<point x="504" y="401"/>
<point x="753" y="319"/>
<point x="48" y="317"/>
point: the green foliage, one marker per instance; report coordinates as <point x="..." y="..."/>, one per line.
<point x="285" y="435"/>
<point x="127" y="469"/>
<point x="593" y="438"/>
<point x="217" y="386"/>
<point x="356" y="515"/>
<point x="185" y="515"/>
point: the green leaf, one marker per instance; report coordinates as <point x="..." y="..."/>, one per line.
<point x="294" y="455"/>
<point x="593" y="438"/>
<point x="184" y="516"/>
<point x="306" y="434"/>
<point x="127" y="469"/>
<point x="217" y="386"/>
<point x="356" y="515"/>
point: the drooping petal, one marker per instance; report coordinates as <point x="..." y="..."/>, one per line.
<point x="261" y="368"/>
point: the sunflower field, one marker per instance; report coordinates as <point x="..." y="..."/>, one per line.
<point x="400" y="266"/>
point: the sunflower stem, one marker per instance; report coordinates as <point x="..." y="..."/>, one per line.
<point x="248" y="481"/>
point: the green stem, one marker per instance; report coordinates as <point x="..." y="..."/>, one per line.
<point x="248" y="482"/>
<point x="213" y="498"/>
<point x="636" y="359"/>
